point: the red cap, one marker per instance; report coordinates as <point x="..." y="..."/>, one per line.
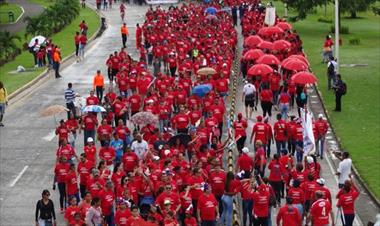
<point x="259" y="118"/>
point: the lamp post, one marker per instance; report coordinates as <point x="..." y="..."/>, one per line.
<point x="337" y="35"/>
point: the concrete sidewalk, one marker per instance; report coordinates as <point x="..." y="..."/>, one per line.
<point x="30" y="9"/>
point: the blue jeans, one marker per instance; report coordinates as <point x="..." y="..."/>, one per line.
<point x="226" y="218"/>
<point x="270" y="216"/>
<point x="299" y="208"/>
<point x="280" y="145"/>
<point x="348" y="219"/>
<point x="320" y="145"/>
<point x="247" y="211"/>
<point x="284" y="108"/>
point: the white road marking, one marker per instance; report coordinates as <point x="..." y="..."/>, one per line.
<point x="50" y="136"/>
<point x="18" y="176"/>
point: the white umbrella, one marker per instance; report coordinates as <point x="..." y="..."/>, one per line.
<point x="41" y="40"/>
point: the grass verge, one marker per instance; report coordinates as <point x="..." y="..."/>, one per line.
<point x="358" y="125"/>
<point x="5" y="9"/>
<point x="64" y="39"/>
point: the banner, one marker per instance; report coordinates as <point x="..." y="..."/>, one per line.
<point x="270" y="16"/>
<point x="308" y="135"/>
<point x="156" y="2"/>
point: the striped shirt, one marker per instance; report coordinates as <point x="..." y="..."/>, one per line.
<point x="69" y="95"/>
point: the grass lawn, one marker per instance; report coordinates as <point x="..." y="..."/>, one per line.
<point x="358" y="125"/>
<point x="43" y="3"/>
<point x="5" y="8"/>
<point x="64" y="39"/>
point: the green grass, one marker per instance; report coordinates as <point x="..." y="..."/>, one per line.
<point x="9" y="7"/>
<point x="64" y="39"/>
<point x="358" y="125"/>
<point x="43" y="3"/>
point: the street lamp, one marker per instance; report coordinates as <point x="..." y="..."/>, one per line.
<point x="337" y="35"/>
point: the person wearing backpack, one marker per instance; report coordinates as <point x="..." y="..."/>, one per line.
<point x="331" y="72"/>
<point x="340" y="89"/>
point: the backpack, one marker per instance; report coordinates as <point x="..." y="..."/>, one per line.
<point x="343" y="88"/>
<point x="303" y="96"/>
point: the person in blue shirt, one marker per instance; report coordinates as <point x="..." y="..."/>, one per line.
<point x="117" y="144"/>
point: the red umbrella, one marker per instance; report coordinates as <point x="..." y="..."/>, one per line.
<point x="284" y="26"/>
<point x="268" y="59"/>
<point x="304" y="78"/>
<point x="252" y="41"/>
<point x="300" y="57"/>
<point x="265" y="45"/>
<point x="253" y="54"/>
<point x="294" y="64"/>
<point x="268" y="31"/>
<point x="281" y="45"/>
<point x="260" y="69"/>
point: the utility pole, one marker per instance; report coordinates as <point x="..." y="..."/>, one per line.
<point x="337" y="35"/>
<point x="286" y="10"/>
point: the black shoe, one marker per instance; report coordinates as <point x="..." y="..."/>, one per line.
<point x="1" y="124"/>
<point x="337" y="110"/>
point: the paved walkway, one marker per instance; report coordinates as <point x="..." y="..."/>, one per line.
<point x="30" y="9"/>
<point x="27" y="141"/>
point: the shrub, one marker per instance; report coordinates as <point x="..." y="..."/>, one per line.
<point x="324" y="19"/>
<point x="354" y="41"/>
<point x="343" y="29"/>
<point x="376" y="10"/>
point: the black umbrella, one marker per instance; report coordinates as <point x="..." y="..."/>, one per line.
<point x="184" y="138"/>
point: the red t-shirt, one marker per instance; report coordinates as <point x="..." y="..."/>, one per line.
<point x="66" y="151"/>
<point x="320" y="211"/>
<point x="261" y="206"/>
<point x="62" y="131"/>
<point x="104" y="131"/>
<point x="71" y="183"/>
<point x="276" y="171"/>
<point x="83" y="169"/>
<point x="106" y="199"/>
<point x="207" y="206"/>
<point x="90" y="153"/>
<point x="89" y="122"/>
<point x="121" y="216"/>
<point x="347" y="200"/>
<point x="289" y="216"/>
<point x="61" y="170"/>
<point x="240" y="127"/>
<point x="92" y="100"/>
<point x="297" y="195"/>
<point x="260" y="132"/>
<point x="196" y="192"/>
<point x="218" y="112"/>
<point x="70" y="212"/>
<point x="107" y="154"/>
<point x="217" y="181"/>
<point x="308" y="188"/>
<point x="245" y="162"/>
<point x="135" y="102"/>
<point x="130" y="161"/>
<point x="172" y="197"/>
<point x="280" y="130"/>
<point x="266" y="95"/>
<point x="181" y="121"/>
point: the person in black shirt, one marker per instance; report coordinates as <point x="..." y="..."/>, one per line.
<point x="339" y="92"/>
<point x="45" y="214"/>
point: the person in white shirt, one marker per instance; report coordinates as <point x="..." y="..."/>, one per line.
<point x="248" y="97"/>
<point x="344" y="169"/>
<point x="139" y="146"/>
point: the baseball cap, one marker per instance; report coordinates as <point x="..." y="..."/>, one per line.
<point x="259" y="118"/>
<point x="90" y="140"/>
<point x="321" y="181"/>
<point x="245" y="150"/>
<point x="320" y="116"/>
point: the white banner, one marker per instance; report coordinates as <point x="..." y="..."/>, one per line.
<point x="270" y="16"/>
<point x="155" y="2"/>
<point x="308" y="135"/>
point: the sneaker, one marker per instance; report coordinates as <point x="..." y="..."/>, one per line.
<point x="1" y="124"/>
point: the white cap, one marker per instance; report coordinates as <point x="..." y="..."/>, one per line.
<point x="245" y="150"/>
<point x="320" y="116"/>
<point x="309" y="159"/>
<point x="321" y="181"/>
<point x="90" y="139"/>
<point x="167" y="152"/>
<point x="150" y="101"/>
<point x="155" y="157"/>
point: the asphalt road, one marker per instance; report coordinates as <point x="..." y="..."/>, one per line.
<point x="27" y="142"/>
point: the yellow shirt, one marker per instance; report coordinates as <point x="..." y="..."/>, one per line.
<point x="3" y="96"/>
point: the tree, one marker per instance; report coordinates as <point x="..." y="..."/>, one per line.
<point x="7" y="44"/>
<point x="304" y="7"/>
<point x="354" y="6"/>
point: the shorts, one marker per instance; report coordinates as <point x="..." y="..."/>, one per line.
<point x="250" y="103"/>
<point x="2" y="108"/>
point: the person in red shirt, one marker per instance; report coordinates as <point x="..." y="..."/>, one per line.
<point x="207" y="207"/>
<point x="276" y="176"/>
<point x="107" y="198"/>
<point x="232" y="187"/>
<point x="288" y="215"/>
<point x="66" y="150"/>
<point x="135" y="102"/>
<point x="260" y="159"/>
<point x="218" y="111"/>
<point x="321" y="126"/>
<point x="62" y="131"/>
<point x="72" y="125"/>
<point x="107" y="154"/>
<point x="171" y="196"/>
<point x="135" y="219"/>
<point x="190" y="220"/>
<point x="94" y="183"/>
<point x="245" y="162"/>
<point x="322" y="189"/>
<point x="320" y="211"/>
<point x="181" y="121"/>
<point x="77" y="220"/>
<point x="261" y="205"/>
<point x="217" y="180"/>
<point x="269" y="134"/>
<point x="71" y="181"/>
<point x="104" y="132"/>
<point x="259" y="131"/>
<point x="346" y="201"/>
<point x="266" y="98"/>
<point x="71" y="210"/>
<point x="240" y="125"/>
<point x="89" y="124"/>
<point x="60" y="172"/>
<point x="76" y="42"/>
<point x="84" y="169"/>
<point x="308" y="188"/>
<point x="122" y="213"/>
<point x="298" y="196"/>
<point x="280" y="135"/>
<point x="92" y="99"/>
<point x="283" y="102"/>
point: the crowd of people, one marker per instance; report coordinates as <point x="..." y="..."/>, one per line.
<point x="169" y="169"/>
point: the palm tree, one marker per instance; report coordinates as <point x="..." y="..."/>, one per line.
<point x="7" y="44"/>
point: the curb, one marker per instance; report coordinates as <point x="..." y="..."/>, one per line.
<point x="354" y="170"/>
<point x="45" y="73"/>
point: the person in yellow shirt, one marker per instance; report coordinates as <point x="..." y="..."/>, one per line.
<point x="3" y="101"/>
<point x="57" y="62"/>
<point x="99" y="85"/>
<point x="124" y="34"/>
